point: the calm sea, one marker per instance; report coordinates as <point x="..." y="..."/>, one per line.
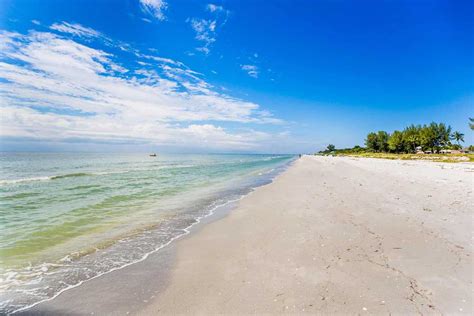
<point x="69" y="217"/>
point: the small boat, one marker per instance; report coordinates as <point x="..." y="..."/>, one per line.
<point x="153" y="155"/>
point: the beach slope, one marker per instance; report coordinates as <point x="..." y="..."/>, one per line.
<point x="334" y="235"/>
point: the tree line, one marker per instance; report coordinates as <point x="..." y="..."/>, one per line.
<point x="429" y="137"/>
<point x="432" y="137"/>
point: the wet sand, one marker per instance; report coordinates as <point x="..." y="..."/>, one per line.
<point x="329" y="235"/>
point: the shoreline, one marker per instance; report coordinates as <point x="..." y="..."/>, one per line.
<point x="163" y="253"/>
<point x="340" y="235"/>
<point x="187" y="231"/>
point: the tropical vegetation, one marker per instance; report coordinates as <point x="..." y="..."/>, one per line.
<point x="432" y="138"/>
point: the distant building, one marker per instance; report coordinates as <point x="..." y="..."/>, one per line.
<point x="455" y="151"/>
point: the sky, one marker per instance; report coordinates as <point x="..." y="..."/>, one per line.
<point x="229" y="76"/>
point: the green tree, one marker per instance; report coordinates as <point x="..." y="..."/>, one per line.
<point x="427" y="138"/>
<point x="435" y="136"/>
<point x="411" y="137"/>
<point x="395" y="142"/>
<point x="471" y="123"/>
<point x="443" y="135"/>
<point x="458" y="137"/>
<point x="330" y="147"/>
<point x="382" y="141"/>
<point x="371" y="142"/>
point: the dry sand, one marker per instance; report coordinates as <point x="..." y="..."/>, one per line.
<point x="335" y="235"/>
<point x="329" y="235"/>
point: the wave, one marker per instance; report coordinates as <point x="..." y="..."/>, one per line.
<point x="85" y="174"/>
<point x="45" y="178"/>
<point x="44" y="269"/>
<point x="71" y="175"/>
<point x="117" y="253"/>
<point x="13" y="181"/>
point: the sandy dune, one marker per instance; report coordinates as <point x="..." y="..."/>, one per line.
<point x="335" y="235"/>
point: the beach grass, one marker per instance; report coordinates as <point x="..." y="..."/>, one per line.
<point x="452" y="158"/>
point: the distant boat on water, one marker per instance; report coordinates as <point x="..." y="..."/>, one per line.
<point x="153" y="155"/>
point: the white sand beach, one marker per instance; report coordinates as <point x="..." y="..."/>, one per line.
<point x="196" y="157"/>
<point x="329" y="235"/>
<point x="335" y="235"/>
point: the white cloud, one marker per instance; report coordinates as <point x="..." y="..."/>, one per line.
<point x="164" y="60"/>
<point x="154" y="8"/>
<point x="214" y="8"/>
<point x="75" y="29"/>
<point x="206" y="29"/>
<point x="251" y="70"/>
<point x="36" y="22"/>
<point x="205" y="50"/>
<point x="56" y="88"/>
<point x="205" y="32"/>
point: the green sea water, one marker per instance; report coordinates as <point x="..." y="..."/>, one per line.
<point x="68" y="217"/>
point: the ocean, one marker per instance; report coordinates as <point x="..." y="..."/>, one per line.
<point x="69" y="217"/>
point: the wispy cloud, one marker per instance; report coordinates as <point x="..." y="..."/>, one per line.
<point x="214" y="8"/>
<point x="251" y="70"/>
<point x="75" y="29"/>
<point x="205" y="32"/>
<point x="206" y="29"/>
<point x="54" y="87"/>
<point x="36" y="22"/>
<point x="155" y="8"/>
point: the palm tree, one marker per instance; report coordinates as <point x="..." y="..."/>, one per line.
<point x="458" y="136"/>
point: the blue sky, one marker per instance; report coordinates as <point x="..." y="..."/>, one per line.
<point x="229" y="76"/>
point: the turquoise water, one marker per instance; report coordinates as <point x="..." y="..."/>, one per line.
<point x="69" y="217"/>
